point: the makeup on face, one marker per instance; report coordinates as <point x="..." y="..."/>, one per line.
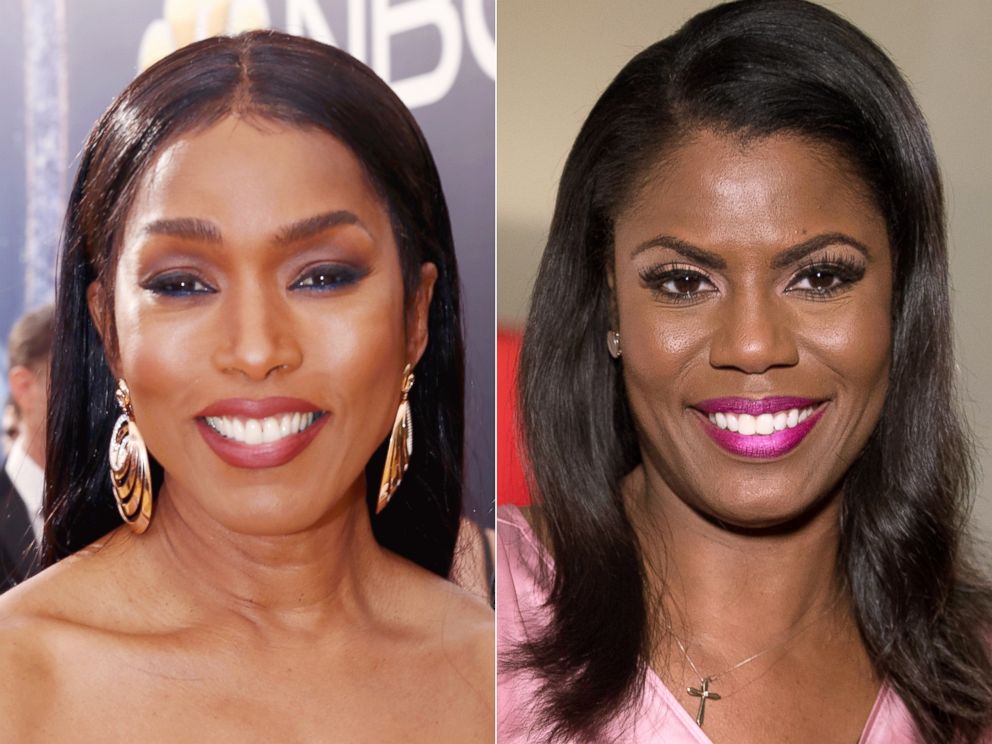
<point x="262" y="322"/>
<point x="262" y="433"/>
<point x="764" y="428"/>
<point x="752" y="282"/>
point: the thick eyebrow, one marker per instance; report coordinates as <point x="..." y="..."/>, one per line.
<point x="191" y="228"/>
<point x="184" y="227"/>
<point x="798" y="252"/>
<point x="789" y="256"/>
<point x="702" y="257"/>
<point x="307" y="228"/>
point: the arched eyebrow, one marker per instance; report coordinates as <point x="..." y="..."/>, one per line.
<point x="798" y="252"/>
<point x="710" y="260"/>
<point x="307" y="228"/>
<point x="191" y="228"/>
<point x="188" y="228"/>
<point x="706" y="259"/>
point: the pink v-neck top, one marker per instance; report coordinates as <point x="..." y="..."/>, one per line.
<point x="658" y="716"/>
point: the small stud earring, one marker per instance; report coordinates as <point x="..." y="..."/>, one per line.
<point x="613" y="344"/>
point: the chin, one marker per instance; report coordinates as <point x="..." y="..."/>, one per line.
<point x="767" y="511"/>
<point x="274" y="512"/>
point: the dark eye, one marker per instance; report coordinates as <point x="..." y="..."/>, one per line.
<point x="825" y="280"/>
<point x="327" y="277"/>
<point x="684" y="283"/>
<point x="676" y="284"/>
<point x="178" y="284"/>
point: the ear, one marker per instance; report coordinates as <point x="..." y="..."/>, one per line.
<point x="611" y="291"/>
<point x="97" y="302"/>
<point x="20" y="380"/>
<point x="419" y="313"/>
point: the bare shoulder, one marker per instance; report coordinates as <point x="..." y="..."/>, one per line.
<point x="44" y="624"/>
<point x="29" y="643"/>
<point x="455" y="625"/>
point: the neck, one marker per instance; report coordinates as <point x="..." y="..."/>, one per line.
<point x="734" y="593"/>
<point x="296" y="584"/>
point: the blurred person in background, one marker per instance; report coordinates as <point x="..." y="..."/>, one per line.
<point x="22" y="478"/>
<point x="10" y="422"/>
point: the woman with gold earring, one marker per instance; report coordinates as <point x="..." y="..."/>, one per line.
<point x="258" y="260"/>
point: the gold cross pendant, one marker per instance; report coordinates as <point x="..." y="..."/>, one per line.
<point x="703" y="693"/>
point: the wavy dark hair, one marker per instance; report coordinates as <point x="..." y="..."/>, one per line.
<point x="752" y="69"/>
<point x="264" y="75"/>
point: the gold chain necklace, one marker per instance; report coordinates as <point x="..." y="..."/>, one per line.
<point x="704" y="693"/>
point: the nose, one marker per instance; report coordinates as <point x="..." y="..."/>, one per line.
<point x="755" y="334"/>
<point x="258" y="335"/>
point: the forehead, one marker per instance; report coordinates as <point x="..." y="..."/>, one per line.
<point x="252" y="176"/>
<point x="725" y="193"/>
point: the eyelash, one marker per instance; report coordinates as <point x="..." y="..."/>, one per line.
<point x="656" y="277"/>
<point x="322" y="278"/>
<point x="332" y="276"/>
<point x="844" y="270"/>
<point x="174" y="284"/>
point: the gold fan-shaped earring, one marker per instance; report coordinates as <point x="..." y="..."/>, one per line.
<point x="400" y="445"/>
<point x="129" y="472"/>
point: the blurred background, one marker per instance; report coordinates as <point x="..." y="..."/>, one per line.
<point x="557" y="56"/>
<point x="63" y="62"/>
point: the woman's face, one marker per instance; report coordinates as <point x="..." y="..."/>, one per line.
<point x="261" y="324"/>
<point x="753" y="284"/>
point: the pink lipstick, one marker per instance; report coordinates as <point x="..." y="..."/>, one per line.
<point x="760" y="429"/>
<point x="263" y="433"/>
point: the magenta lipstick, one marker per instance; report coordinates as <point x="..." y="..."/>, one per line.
<point x="760" y="429"/>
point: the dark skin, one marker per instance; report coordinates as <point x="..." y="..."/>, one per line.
<point x="747" y="546"/>
<point x="258" y="605"/>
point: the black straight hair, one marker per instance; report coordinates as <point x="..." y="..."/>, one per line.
<point x="268" y="76"/>
<point x="751" y="69"/>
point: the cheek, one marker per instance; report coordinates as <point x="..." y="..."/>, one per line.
<point x="855" y="345"/>
<point x="660" y="346"/>
<point x="350" y="352"/>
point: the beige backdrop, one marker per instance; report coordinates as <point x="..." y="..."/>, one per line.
<point x="556" y="56"/>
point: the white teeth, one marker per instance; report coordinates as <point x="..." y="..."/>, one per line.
<point x="270" y="430"/>
<point x="781" y="419"/>
<point x="253" y="432"/>
<point x="745" y="424"/>
<point x="763" y="425"/>
<point x="261" y="431"/>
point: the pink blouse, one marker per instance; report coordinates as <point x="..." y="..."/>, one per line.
<point x="658" y="716"/>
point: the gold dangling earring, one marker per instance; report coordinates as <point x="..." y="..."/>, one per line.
<point x="130" y="475"/>
<point x="400" y="445"/>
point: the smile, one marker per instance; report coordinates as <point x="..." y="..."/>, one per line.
<point x="761" y="429"/>
<point x="263" y="433"/>
<point x="763" y="425"/>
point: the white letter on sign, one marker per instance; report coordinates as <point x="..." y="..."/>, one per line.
<point x="305" y="18"/>
<point x="483" y="45"/>
<point x="390" y="20"/>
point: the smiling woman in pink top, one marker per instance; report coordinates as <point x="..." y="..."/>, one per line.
<point x="750" y="474"/>
<point x="258" y="367"/>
